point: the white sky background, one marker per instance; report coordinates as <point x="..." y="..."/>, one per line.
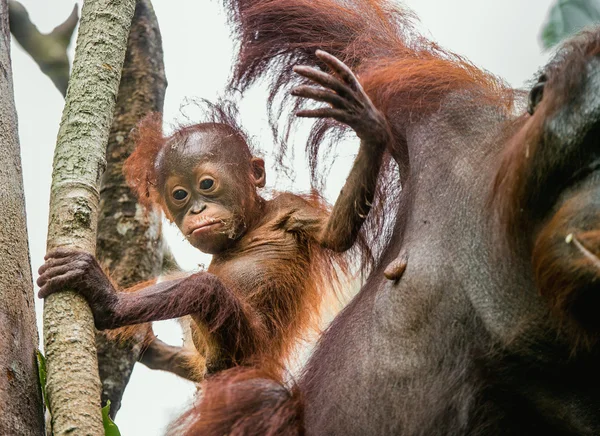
<point x="498" y="35"/>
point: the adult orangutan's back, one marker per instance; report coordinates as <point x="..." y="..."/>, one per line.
<point x="491" y="327"/>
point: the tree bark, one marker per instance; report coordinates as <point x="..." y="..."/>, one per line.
<point x="73" y="386"/>
<point x="130" y="245"/>
<point x="22" y="409"/>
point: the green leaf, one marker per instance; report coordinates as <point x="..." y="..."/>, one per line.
<point x="110" y="428"/>
<point x="567" y="17"/>
<point x="41" y="363"/>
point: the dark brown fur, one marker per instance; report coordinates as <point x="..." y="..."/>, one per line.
<point x="287" y="293"/>
<point x="272" y="259"/>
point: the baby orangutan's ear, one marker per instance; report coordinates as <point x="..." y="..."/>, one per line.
<point x="259" y="177"/>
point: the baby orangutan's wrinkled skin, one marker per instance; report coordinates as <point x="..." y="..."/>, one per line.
<point x="261" y="286"/>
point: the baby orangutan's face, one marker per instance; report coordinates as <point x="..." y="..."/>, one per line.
<point x="210" y="189"/>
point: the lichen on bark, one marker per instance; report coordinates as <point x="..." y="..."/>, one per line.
<point x="73" y="385"/>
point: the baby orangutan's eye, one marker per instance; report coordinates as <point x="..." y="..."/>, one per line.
<point x="180" y="194"/>
<point x="206" y="184"/>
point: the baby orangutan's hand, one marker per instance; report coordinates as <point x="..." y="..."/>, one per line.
<point x="349" y="102"/>
<point x="69" y="269"/>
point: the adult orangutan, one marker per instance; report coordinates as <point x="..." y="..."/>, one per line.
<point x="485" y="321"/>
<point x="271" y="258"/>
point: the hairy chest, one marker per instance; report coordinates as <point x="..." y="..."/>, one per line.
<point x="266" y="258"/>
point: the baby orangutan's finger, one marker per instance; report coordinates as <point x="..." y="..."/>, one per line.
<point x="58" y="270"/>
<point x="319" y="94"/>
<point x="340" y="68"/>
<point x="336" y="114"/>
<point x="53" y="262"/>
<point x="57" y="283"/>
<point x="325" y="80"/>
<point x="61" y="252"/>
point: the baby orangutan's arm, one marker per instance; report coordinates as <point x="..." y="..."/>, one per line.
<point x="203" y="295"/>
<point x="349" y="105"/>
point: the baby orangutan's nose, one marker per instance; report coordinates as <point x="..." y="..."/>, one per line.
<point x="197" y="208"/>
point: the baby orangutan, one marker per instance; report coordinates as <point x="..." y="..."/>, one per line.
<point x="270" y="258"/>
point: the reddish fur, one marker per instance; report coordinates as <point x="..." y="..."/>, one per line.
<point x="408" y="77"/>
<point x="139" y="168"/>
<point x="285" y="311"/>
<point x="288" y="305"/>
<point x="405" y="75"/>
<point x="399" y="69"/>
<point x="285" y="314"/>
<point x="233" y="393"/>
<point x="230" y="323"/>
<point x="244" y="322"/>
<point x="290" y="302"/>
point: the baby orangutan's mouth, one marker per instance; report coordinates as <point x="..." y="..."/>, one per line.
<point x="572" y="239"/>
<point x="205" y="226"/>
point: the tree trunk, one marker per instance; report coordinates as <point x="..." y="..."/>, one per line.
<point x="22" y="410"/>
<point x="130" y="245"/>
<point x="73" y="385"/>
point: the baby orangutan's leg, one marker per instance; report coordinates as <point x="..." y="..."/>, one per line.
<point x="182" y="361"/>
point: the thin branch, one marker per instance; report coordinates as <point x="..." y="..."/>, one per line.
<point x="49" y="51"/>
<point x="72" y="384"/>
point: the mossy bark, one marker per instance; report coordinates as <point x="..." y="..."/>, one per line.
<point x="21" y="410"/>
<point x="130" y="245"/>
<point x="73" y="385"/>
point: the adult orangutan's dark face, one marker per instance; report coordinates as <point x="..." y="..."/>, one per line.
<point x="558" y="192"/>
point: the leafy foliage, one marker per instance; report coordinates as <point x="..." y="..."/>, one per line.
<point x="110" y="428"/>
<point x="568" y="17"/>
<point x="41" y="363"/>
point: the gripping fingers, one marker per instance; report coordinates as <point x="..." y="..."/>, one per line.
<point x="57" y="283"/>
<point x="52" y="262"/>
<point x="325" y="80"/>
<point x="58" y="270"/>
<point x="319" y="94"/>
<point x="337" y="114"/>
<point x="340" y="68"/>
<point x="61" y="252"/>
